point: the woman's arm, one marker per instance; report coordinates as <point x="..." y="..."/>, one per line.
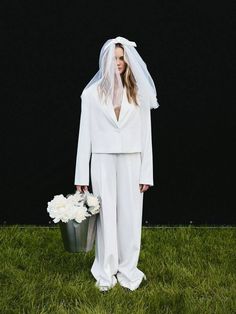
<point x="146" y="174"/>
<point x="84" y="144"/>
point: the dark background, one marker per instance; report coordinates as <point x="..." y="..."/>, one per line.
<point x="49" y="52"/>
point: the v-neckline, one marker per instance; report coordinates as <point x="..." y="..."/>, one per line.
<point x="122" y="103"/>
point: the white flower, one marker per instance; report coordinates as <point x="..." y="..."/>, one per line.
<point x="73" y="207"/>
<point x="72" y="199"/>
<point x="59" y="214"/>
<point x="93" y="203"/>
<point x="79" y="196"/>
<point x="81" y="214"/>
<point x="58" y="201"/>
<point x="56" y="208"/>
<point x="94" y="210"/>
<point x="92" y="200"/>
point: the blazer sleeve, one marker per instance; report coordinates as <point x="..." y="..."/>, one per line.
<point x="146" y="173"/>
<point x="84" y="144"/>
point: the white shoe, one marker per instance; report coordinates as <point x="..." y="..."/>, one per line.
<point x="131" y="285"/>
<point x="104" y="288"/>
<point x="99" y="284"/>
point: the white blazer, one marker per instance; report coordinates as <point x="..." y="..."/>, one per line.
<point x="100" y="132"/>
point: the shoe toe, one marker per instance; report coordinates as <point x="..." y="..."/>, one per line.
<point x="104" y="288"/>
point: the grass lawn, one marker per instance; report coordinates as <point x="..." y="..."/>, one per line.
<point x="189" y="270"/>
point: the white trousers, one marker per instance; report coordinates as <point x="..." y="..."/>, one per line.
<point x="115" y="177"/>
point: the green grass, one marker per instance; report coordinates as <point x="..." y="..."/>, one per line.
<point x="189" y="270"/>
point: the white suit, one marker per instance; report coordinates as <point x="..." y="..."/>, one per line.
<point x="121" y="159"/>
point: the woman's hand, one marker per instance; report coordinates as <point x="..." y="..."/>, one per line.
<point x="143" y="187"/>
<point x="82" y="188"/>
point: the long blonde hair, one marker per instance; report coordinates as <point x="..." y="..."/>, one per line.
<point x="128" y="80"/>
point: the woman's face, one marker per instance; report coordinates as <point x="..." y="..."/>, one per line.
<point x="119" y="55"/>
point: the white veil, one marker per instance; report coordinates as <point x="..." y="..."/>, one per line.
<point x="109" y="80"/>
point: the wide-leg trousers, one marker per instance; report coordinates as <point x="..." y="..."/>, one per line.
<point x="115" y="177"/>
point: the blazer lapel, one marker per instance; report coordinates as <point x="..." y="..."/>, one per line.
<point x="125" y="109"/>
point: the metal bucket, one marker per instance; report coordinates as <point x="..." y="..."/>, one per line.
<point x="79" y="237"/>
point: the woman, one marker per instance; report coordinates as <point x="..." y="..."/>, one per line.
<point x="115" y="131"/>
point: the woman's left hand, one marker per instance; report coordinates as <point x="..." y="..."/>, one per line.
<point x="143" y="187"/>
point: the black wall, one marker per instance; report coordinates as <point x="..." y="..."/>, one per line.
<point x="49" y="53"/>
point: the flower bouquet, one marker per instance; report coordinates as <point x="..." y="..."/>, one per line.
<point x="77" y="215"/>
